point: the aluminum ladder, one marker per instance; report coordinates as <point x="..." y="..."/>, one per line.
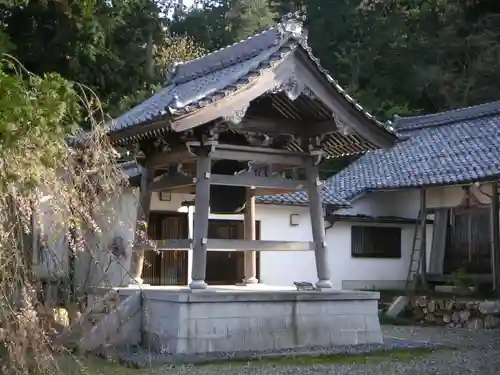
<point x="414" y="268"/>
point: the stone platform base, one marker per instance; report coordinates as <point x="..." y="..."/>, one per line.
<point x="180" y="321"/>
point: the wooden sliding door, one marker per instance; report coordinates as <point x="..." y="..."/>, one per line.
<point x="166" y="267"/>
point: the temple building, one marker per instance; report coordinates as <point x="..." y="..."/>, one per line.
<point x="251" y="120"/>
<point x="229" y="127"/>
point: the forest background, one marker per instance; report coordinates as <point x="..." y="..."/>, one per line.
<point x="71" y="64"/>
<point x="403" y="57"/>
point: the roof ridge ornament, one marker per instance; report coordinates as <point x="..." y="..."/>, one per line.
<point x="175" y="105"/>
<point x="297" y="15"/>
<point x="292" y="24"/>
<point x="171" y="71"/>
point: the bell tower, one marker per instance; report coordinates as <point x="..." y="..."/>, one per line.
<point x="229" y="126"/>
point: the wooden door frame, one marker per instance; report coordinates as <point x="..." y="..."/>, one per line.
<point x="153" y="226"/>
<point x="240" y="222"/>
<point x="452" y="249"/>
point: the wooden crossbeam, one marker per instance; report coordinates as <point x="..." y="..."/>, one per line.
<point x="174" y="182"/>
<point x="172" y="157"/>
<point x="249" y="179"/>
<point x="168" y="182"/>
<point x="260" y="155"/>
<point x="228" y="245"/>
<point x="231" y="152"/>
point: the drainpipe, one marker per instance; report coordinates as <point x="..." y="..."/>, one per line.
<point x="330" y="220"/>
<point x="495" y="237"/>
<point x="328" y="211"/>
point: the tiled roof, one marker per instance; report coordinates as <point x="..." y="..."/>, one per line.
<point x="131" y="169"/>
<point x="407" y="124"/>
<point x="194" y="84"/>
<point x="442" y="149"/>
<point x="300" y="198"/>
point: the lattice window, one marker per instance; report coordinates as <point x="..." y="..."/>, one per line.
<point x="375" y="242"/>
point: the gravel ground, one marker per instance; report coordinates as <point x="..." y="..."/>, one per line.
<point x="475" y="352"/>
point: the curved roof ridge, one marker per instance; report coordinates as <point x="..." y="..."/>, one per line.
<point x="446" y="117"/>
<point x="353" y="102"/>
<point x="236" y="52"/>
<point x="200" y="82"/>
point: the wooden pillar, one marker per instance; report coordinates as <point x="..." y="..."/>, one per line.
<point x="423" y="226"/>
<point x="318" y="225"/>
<point x="201" y="214"/>
<point x="143" y="209"/>
<point x="495" y="237"/>
<point x="250" y="257"/>
<point x="190" y="251"/>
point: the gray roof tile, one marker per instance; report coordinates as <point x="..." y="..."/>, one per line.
<point x="405" y="124"/>
<point x="194" y="84"/>
<point x="192" y="94"/>
<point x="225" y="57"/>
<point x="446" y="148"/>
<point x="457" y="150"/>
<point x="131" y="169"/>
<point x="300" y="198"/>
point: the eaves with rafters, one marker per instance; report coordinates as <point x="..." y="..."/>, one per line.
<point x="270" y="77"/>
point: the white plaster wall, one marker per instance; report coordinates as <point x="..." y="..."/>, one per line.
<point x="276" y="268"/>
<point x="406" y="203"/>
<point x="400" y="203"/>
<point x="452" y="196"/>
<point x="117" y="218"/>
<point x="52" y="261"/>
<point x="346" y="272"/>
<point x="283" y="268"/>
<point x="354" y="273"/>
<point x="97" y="266"/>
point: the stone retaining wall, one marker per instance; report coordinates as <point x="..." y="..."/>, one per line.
<point x="455" y="312"/>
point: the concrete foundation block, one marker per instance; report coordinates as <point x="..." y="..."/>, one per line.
<point x="186" y="323"/>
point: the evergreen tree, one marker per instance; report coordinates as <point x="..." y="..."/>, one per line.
<point x="99" y="43"/>
<point x="248" y="17"/>
<point x="216" y="24"/>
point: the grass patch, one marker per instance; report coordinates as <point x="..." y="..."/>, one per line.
<point x="355" y="358"/>
<point x="97" y="366"/>
<point x="71" y="365"/>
